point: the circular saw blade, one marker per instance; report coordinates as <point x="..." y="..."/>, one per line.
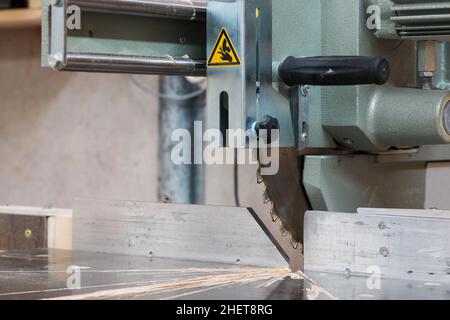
<point x="287" y="195"/>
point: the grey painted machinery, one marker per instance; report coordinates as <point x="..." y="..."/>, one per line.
<point x="358" y="89"/>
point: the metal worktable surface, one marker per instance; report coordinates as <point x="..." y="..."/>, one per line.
<point x="42" y="274"/>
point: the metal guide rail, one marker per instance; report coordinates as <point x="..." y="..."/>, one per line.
<point x="181" y="10"/>
<point x="152" y="30"/>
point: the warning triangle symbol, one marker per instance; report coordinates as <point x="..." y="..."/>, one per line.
<point x="224" y="53"/>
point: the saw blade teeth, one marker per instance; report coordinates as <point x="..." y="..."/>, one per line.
<point x="263" y="165"/>
<point x="259" y="177"/>
<point x="294" y="244"/>
<point x="279" y="206"/>
<point x="274" y="215"/>
<point x="266" y="197"/>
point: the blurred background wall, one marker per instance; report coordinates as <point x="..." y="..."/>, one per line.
<point x="66" y="135"/>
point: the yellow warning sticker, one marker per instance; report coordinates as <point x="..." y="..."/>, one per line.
<point x="224" y="54"/>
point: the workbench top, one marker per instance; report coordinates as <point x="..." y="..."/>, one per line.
<point x="46" y="274"/>
<point x="42" y="274"/>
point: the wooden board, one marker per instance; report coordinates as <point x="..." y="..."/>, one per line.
<point x="199" y="233"/>
<point x="34" y="3"/>
<point x="58" y="224"/>
<point x="401" y="244"/>
<point x="35" y="211"/>
<point x="59" y="232"/>
<point x="14" y="18"/>
<point x="19" y="232"/>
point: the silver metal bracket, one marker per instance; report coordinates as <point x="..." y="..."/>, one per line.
<point x="241" y="95"/>
<point x="300" y="115"/>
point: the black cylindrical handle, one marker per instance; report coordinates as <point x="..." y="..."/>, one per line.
<point x="334" y="71"/>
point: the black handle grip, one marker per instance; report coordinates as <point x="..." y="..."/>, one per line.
<point x="334" y="71"/>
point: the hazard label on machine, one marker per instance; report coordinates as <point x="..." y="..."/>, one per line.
<point x="224" y="53"/>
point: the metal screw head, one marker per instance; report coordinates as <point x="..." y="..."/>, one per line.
<point x="165" y="198"/>
<point x="382" y="225"/>
<point x="384" y="252"/>
<point x="55" y="62"/>
<point x="348" y="273"/>
<point x="304" y="137"/>
<point x="348" y="141"/>
<point x="28" y="233"/>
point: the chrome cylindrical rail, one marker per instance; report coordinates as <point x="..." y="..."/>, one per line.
<point x="163" y="9"/>
<point x="134" y="64"/>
